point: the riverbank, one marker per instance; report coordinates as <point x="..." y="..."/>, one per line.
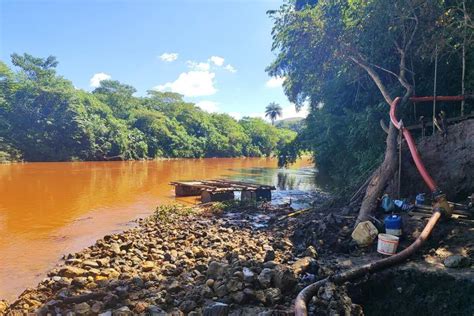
<point x="240" y="260"/>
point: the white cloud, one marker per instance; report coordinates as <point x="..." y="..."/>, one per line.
<point x="230" y="68"/>
<point x="198" y="66"/>
<point x="208" y="106"/>
<point x="289" y="111"/>
<point x="97" y="78"/>
<point x="191" y="84"/>
<point x="275" y="82"/>
<point x="169" y="57"/>
<point x="235" y="115"/>
<point x="218" y="61"/>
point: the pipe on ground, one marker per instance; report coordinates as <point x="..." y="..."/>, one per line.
<point x="440" y="207"/>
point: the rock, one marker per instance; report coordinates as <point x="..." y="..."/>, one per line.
<point x="456" y="261"/>
<point x="311" y="252"/>
<point x="269" y="255"/>
<point x="148" y="266"/>
<point x="97" y="307"/>
<point x="249" y="276"/>
<point x="71" y="272"/>
<point x="272" y="296"/>
<point x="82" y="309"/>
<point x="115" y="248"/>
<point x="233" y="285"/>
<point x="79" y="282"/>
<point x="216" y="309"/>
<point x="174" y="287"/>
<point x="220" y="288"/>
<point x="90" y="263"/>
<point x="155" y="310"/>
<point x="140" y="307"/>
<point x="216" y="270"/>
<point x="284" y="279"/>
<point x="187" y="306"/>
<point x="124" y="310"/>
<point x="111" y="273"/>
<point x="302" y="265"/>
<point x="265" y="278"/>
<point x="210" y="282"/>
<point x="3" y="306"/>
<point x="107" y="313"/>
<point x="238" y="297"/>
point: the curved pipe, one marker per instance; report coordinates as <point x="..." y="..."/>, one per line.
<point x="411" y="145"/>
<point x="308" y="292"/>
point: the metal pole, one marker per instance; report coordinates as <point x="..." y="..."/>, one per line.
<point x="434" y="89"/>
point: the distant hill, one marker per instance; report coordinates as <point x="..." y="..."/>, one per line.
<point x="292" y="123"/>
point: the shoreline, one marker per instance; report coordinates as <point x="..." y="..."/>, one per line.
<point x="219" y="259"/>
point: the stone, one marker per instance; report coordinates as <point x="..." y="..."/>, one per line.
<point x="302" y="265"/>
<point x="272" y="296"/>
<point x="265" y="278"/>
<point x="233" y="285"/>
<point x="140" y="307"/>
<point x="90" y="263"/>
<point x="79" y="282"/>
<point x="456" y="261"/>
<point x="238" y="297"/>
<point x="249" y="276"/>
<point x="210" y="282"/>
<point x="82" y="309"/>
<point x="107" y="313"/>
<point x="124" y="310"/>
<point x="216" y="309"/>
<point x="187" y="306"/>
<point x="3" y="306"/>
<point x="311" y="252"/>
<point x="220" y="288"/>
<point x="148" y="266"/>
<point x="97" y="307"/>
<point x="115" y="248"/>
<point x="174" y="287"/>
<point x="269" y="255"/>
<point x="284" y="279"/>
<point x="71" y="272"/>
<point x="216" y="270"/>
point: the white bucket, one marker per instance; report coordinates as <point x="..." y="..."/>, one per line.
<point x="387" y="244"/>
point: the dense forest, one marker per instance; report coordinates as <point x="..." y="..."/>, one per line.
<point x="43" y="117"/>
<point x="348" y="59"/>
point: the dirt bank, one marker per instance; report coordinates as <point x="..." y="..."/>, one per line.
<point x="232" y="261"/>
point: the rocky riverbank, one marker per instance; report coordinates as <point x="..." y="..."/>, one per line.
<point x="211" y="260"/>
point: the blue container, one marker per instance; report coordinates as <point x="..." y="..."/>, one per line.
<point x="420" y="199"/>
<point x="393" y="225"/>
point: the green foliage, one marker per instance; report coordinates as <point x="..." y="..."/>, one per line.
<point x="322" y="47"/>
<point x="166" y="213"/>
<point x="44" y="118"/>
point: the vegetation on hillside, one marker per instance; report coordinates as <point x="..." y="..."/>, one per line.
<point x="348" y="59"/>
<point x="44" y="118"/>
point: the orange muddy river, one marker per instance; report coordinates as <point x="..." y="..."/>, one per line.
<point x="51" y="209"/>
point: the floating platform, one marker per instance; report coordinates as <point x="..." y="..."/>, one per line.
<point x="222" y="190"/>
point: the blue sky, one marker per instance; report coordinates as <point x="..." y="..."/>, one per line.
<point x="214" y="52"/>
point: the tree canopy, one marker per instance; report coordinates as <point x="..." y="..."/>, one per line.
<point x="44" y="118"/>
<point x="348" y="58"/>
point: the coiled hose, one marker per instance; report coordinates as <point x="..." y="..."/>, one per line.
<point x="441" y="206"/>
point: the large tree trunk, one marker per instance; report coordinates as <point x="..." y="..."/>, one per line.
<point x="381" y="177"/>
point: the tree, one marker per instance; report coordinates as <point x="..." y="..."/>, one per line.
<point x="318" y="42"/>
<point x="273" y="111"/>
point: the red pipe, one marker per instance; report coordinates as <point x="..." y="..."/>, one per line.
<point x="438" y="98"/>
<point x="411" y="145"/>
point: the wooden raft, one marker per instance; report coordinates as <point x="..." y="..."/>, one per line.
<point x="222" y="190"/>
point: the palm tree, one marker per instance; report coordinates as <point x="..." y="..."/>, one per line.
<point x="272" y="111"/>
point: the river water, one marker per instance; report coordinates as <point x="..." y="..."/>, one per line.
<point x="51" y="209"/>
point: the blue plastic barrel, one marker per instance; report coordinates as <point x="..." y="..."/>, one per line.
<point x="393" y="225"/>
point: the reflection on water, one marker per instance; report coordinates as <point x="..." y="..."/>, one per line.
<point x="49" y="209"/>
